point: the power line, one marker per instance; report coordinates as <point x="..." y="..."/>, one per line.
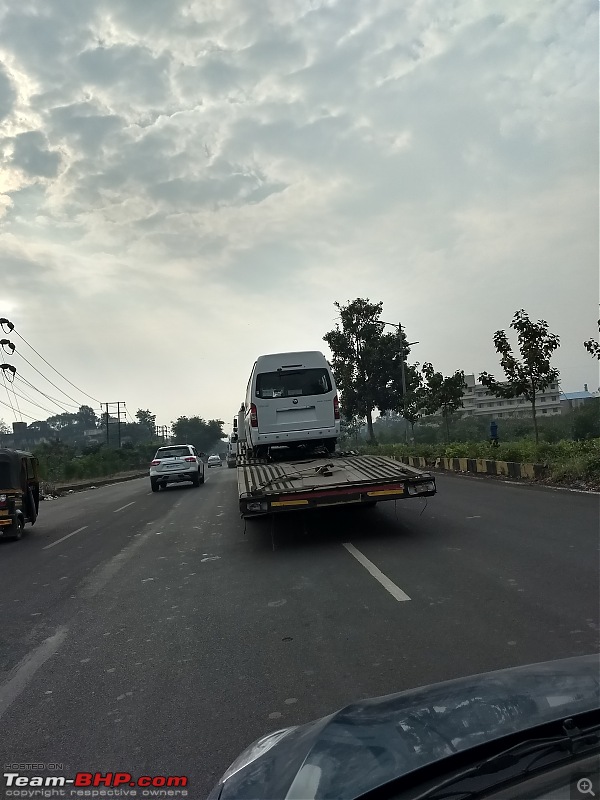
<point x="54" y="368"/>
<point x="59" y="403"/>
<point x="47" y="379"/>
<point x="29" y="400"/>
<point x="8" y="395"/>
<point x="24" y="415"/>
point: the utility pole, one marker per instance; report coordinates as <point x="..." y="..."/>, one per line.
<point x="118" y="404"/>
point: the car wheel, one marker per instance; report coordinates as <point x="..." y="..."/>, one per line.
<point x="154" y="485"/>
<point x="16" y="530"/>
<point x="196" y="480"/>
<point x="201" y="479"/>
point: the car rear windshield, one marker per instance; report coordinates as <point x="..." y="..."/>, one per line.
<point x="292" y="383"/>
<point x="173" y="452"/>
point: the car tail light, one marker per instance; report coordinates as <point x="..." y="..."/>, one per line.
<point x="155" y="463"/>
<point x="253" y="416"/>
<point x="336" y="408"/>
<point x="189" y="458"/>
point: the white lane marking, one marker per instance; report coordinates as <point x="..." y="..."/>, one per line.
<point x="24" y="672"/>
<point x="122" y="507"/>
<point x="394" y="590"/>
<point x="68" y="536"/>
<point x="477" y="516"/>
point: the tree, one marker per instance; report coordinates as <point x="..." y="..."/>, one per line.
<point x="415" y="403"/>
<point x="147" y="420"/>
<point x="531" y="373"/>
<point x="586" y="420"/>
<point x="445" y="393"/>
<point x="367" y="363"/>
<point x="592" y="346"/>
<point x="4" y="427"/>
<point x="196" y="431"/>
<point x="351" y="428"/>
<point x="86" y="417"/>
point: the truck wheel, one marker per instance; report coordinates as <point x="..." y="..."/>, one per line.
<point x="16" y="530"/>
<point x="154" y="485"/>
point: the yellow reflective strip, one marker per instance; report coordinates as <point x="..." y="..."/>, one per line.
<point x="290" y="503"/>
<point x="386" y="491"/>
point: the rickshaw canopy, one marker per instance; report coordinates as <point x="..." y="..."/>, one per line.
<point x="18" y="470"/>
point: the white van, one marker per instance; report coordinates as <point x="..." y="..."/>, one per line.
<point x="291" y="400"/>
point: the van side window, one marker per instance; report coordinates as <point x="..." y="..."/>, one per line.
<point x="292" y="383"/>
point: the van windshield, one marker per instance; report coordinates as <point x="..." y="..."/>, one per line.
<point x="292" y="383"/>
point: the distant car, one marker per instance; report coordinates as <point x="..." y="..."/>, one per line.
<point x="174" y="464"/>
<point x="215" y="461"/>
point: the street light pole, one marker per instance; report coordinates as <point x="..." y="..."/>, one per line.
<point x="403" y="368"/>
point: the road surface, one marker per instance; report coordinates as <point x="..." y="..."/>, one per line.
<point x="159" y="634"/>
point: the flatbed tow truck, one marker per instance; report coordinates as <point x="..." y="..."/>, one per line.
<point x="272" y="485"/>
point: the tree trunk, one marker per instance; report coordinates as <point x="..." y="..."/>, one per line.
<point x="412" y="432"/>
<point x="447" y="426"/>
<point x="535" y="425"/>
<point x="370" y="426"/>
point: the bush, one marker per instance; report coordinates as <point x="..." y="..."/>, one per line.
<point x="566" y="459"/>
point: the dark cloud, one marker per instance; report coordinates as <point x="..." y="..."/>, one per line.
<point x="83" y="125"/>
<point x="31" y="154"/>
<point x="133" y="68"/>
<point x="7" y="94"/>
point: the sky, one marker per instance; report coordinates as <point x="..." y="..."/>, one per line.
<point x="188" y="184"/>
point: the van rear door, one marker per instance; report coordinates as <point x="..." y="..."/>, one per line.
<point x="294" y="398"/>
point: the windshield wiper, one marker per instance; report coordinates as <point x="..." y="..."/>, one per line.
<point x="570" y="742"/>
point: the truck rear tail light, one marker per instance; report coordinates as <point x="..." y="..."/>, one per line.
<point x="336" y="408"/>
<point x="155" y="463"/>
<point x="253" y="416"/>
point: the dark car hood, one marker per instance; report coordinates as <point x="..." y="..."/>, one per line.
<point x="373" y="741"/>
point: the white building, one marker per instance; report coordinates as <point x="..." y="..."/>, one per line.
<point x="478" y="401"/>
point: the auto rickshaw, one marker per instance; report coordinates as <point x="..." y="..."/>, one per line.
<point x="19" y="492"/>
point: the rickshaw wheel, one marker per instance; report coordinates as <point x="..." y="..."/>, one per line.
<point x="20" y="525"/>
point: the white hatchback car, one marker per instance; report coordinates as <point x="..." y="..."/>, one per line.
<point x="215" y="461"/>
<point x="174" y="464"/>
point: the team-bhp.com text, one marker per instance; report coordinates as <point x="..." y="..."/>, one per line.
<point x="95" y="785"/>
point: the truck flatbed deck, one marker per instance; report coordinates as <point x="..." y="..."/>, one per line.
<point x="266" y="487"/>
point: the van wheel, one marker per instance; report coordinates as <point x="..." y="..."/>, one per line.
<point x="16" y="530"/>
<point x="261" y="451"/>
<point x="329" y="445"/>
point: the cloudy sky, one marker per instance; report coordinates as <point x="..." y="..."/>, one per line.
<point x="187" y="184"/>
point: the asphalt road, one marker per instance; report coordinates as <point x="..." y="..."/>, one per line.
<point x="166" y="635"/>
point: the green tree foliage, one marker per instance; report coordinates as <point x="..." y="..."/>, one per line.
<point x="592" y="346"/>
<point x="367" y="363"/>
<point x="205" y="436"/>
<point x="4" y="427"/>
<point x="586" y="420"/>
<point x="442" y="393"/>
<point x="147" y="420"/>
<point x="531" y="373"/>
<point x="351" y="429"/>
